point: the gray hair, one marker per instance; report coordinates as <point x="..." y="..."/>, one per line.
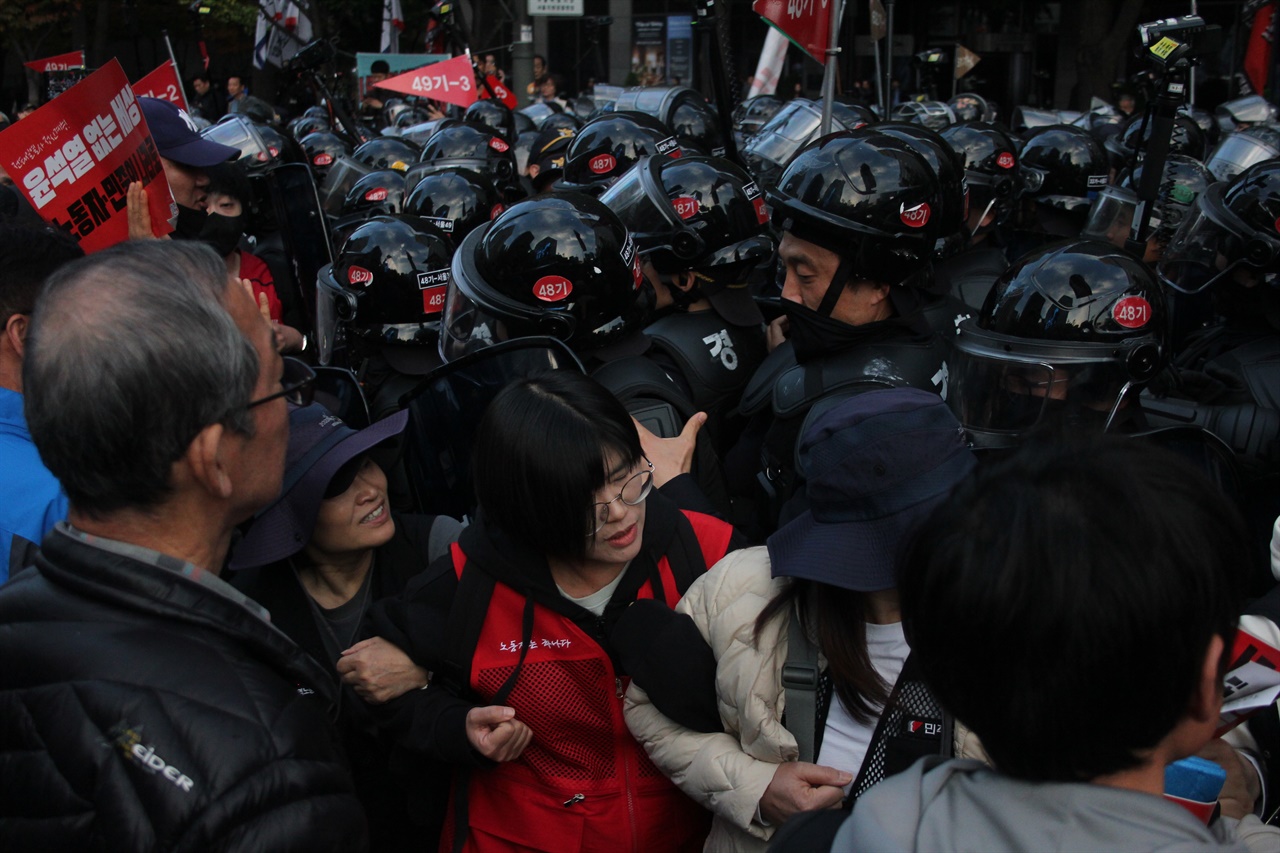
<point x="131" y="352"/>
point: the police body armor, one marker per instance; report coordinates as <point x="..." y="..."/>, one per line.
<point x="1247" y="420"/>
<point x="716" y="359"/>
<point x="655" y="399"/>
<point x="796" y="393"/>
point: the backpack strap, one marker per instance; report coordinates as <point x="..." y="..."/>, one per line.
<point x="800" y="678"/>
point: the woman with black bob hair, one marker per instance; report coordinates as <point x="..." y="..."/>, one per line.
<point x="517" y="627"/>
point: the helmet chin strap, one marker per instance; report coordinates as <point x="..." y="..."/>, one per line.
<point x="838" y="280"/>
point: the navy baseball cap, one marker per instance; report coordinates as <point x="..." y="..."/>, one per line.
<point x="178" y="139"/>
<point x="319" y="444"/>
<point x="877" y="465"/>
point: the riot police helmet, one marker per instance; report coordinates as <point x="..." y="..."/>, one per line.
<point x="607" y="146"/>
<point x="868" y="197"/>
<point x="493" y="115"/>
<point x="387" y="152"/>
<point x="953" y="189"/>
<point x="1071" y="332"/>
<point x="455" y="200"/>
<point x="1231" y="234"/>
<point x="697" y="213"/>
<point x="1062" y="167"/>
<point x="990" y="165"/>
<point x="386" y="285"/>
<point x="559" y="265"/>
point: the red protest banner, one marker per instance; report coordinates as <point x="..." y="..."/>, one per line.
<point x="500" y="91"/>
<point x="75" y="157"/>
<point x="806" y="22"/>
<point x="163" y="83"/>
<point x="61" y="62"/>
<point x="453" y="80"/>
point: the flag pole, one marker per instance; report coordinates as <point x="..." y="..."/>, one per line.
<point x="886" y="94"/>
<point x="177" y="72"/>
<point x="829" y="76"/>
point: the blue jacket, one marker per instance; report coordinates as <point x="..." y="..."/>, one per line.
<point x="32" y="500"/>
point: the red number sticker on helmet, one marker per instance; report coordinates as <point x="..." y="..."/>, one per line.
<point x="1278" y="225"/>
<point x="1132" y="312"/>
<point x="322" y="159"/>
<point x="359" y="275"/>
<point x="498" y="145"/>
<point x="433" y="299"/>
<point x="915" y="217"/>
<point x="686" y="206"/>
<point x="637" y="274"/>
<point x="496" y="211"/>
<point x="1005" y="160"/>
<point x="552" y="288"/>
<point x="762" y="210"/>
<point x="376" y="194"/>
<point x="602" y="164"/>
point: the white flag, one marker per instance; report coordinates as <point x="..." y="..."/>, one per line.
<point x="769" y="68"/>
<point x="278" y="44"/>
<point x="271" y="9"/>
<point x="392" y="26"/>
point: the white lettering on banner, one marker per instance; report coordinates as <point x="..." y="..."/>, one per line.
<point x="430" y="83"/>
<point x="39" y="187"/>
<point x="102" y="135"/>
<point x="801" y="8"/>
<point x="125" y="108"/>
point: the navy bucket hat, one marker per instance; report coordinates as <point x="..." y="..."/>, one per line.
<point x="319" y="444"/>
<point x="876" y="466"/>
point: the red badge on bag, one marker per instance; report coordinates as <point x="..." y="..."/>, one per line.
<point x="552" y="288"/>
<point x="1132" y="312"/>
<point x="915" y="217"/>
<point x="602" y="164"/>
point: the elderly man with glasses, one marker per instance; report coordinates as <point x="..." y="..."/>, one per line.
<point x="150" y="705"/>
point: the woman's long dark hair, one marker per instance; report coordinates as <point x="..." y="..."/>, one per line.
<point x="837" y="619"/>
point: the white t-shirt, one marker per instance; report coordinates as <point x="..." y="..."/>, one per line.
<point x="845" y="740"/>
<point x="598" y="600"/>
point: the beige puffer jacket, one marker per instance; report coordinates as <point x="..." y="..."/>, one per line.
<point x="728" y="772"/>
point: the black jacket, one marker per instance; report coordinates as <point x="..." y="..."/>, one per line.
<point x="144" y="710"/>
<point x="395" y="787"/>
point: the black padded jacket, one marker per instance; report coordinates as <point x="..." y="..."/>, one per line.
<point x="144" y="710"/>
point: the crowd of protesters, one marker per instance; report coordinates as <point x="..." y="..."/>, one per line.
<point x="602" y="476"/>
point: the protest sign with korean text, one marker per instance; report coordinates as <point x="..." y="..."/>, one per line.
<point x="75" y="157"/>
<point x="163" y="83"/>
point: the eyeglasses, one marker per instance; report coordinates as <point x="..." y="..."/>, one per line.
<point x="633" y="493"/>
<point x="297" y="385"/>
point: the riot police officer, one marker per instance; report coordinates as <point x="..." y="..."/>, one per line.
<point x="701" y="226"/>
<point x="856" y="211"/>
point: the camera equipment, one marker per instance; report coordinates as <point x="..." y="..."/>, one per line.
<point x="1173" y="46"/>
<point x="1170" y="41"/>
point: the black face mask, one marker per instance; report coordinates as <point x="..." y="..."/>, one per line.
<point x="222" y="232"/>
<point x="814" y="334"/>
<point x="189" y="224"/>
